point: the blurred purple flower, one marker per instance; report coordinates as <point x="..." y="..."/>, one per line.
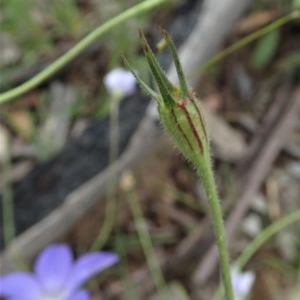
<point x="242" y="283"/>
<point x="56" y="276"/>
<point x="119" y="81"/>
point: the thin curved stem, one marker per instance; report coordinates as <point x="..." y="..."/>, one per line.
<point x="83" y="44"/>
<point x="147" y="245"/>
<point x="111" y="200"/>
<point x="208" y="181"/>
<point x="8" y="214"/>
<point x="250" y="38"/>
<point x="261" y="239"/>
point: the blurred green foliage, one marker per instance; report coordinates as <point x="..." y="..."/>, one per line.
<point x="18" y="20"/>
<point x="266" y="49"/>
<point x="267" y="46"/>
<point x="35" y="25"/>
<point x="284" y="6"/>
<point x="296" y="4"/>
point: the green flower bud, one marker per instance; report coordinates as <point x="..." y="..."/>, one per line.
<point x="181" y="115"/>
<point x="179" y="109"/>
<point x="185" y="123"/>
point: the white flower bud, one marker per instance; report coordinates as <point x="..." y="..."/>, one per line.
<point x="120" y="82"/>
<point x="242" y="283"/>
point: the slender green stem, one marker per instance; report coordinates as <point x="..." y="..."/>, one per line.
<point x="8" y="215"/>
<point x="147" y="245"/>
<point x="261" y="239"/>
<point x="130" y="289"/>
<point x="250" y="38"/>
<point x="209" y="184"/>
<point x="7" y="200"/>
<point x="265" y="235"/>
<point x="83" y="44"/>
<point x="111" y="205"/>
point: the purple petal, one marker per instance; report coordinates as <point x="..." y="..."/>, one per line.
<point x="19" y="286"/>
<point x="53" y="266"/>
<point x="80" y="295"/>
<point x="89" y="265"/>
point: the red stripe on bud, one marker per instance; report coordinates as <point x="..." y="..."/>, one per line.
<point x="182" y="105"/>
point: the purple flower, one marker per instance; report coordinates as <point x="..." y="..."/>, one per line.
<point x="56" y="276"/>
<point x="120" y="82"/>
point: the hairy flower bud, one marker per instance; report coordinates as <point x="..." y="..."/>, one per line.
<point x="181" y="115"/>
<point x="185" y="123"/>
<point x="179" y="109"/>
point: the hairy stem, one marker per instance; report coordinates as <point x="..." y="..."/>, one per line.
<point x="208" y="180"/>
